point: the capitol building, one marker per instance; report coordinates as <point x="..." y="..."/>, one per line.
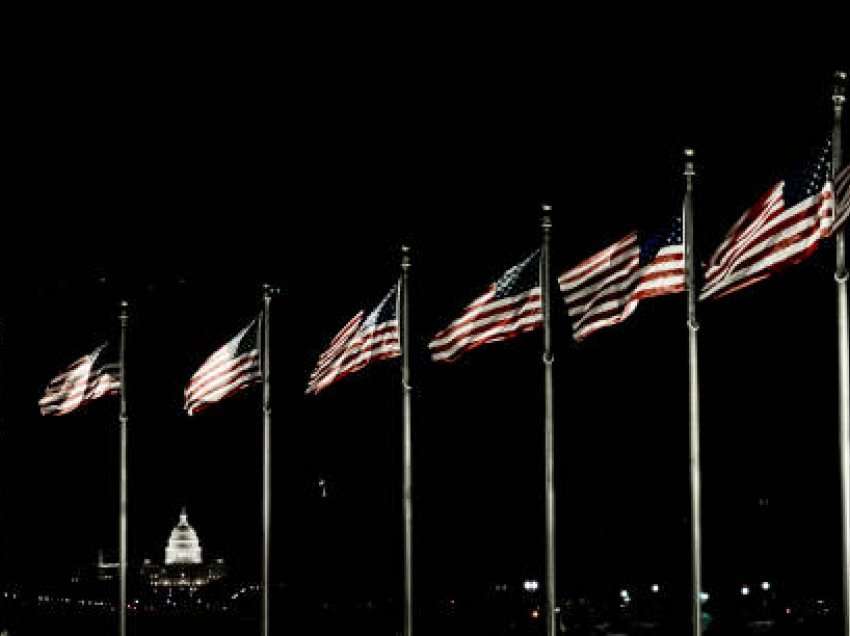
<point x="184" y="566"/>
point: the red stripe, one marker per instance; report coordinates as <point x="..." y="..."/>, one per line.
<point x="248" y="364"/>
<point x="200" y="379"/>
<point x="497" y="337"/>
<point x="351" y="354"/>
<point x="326" y="382"/>
<point x="199" y="405"/>
<point x="464" y="320"/>
<point x="629" y="242"/>
<point x="484" y="328"/>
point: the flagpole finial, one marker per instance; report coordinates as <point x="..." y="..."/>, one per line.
<point x="546" y="221"/>
<point x="839" y="86"/>
<point x="270" y="290"/>
<point x="689" y="162"/>
<point x="405" y="256"/>
<point x="124" y="305"/>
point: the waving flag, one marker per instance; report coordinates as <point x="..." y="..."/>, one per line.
<point x="232" y="368"/>
<point x="606" y="288"/>
<point x="359" y="343"/>
<point x="510" y="306"/>
<point x="784" y="227"/>
<point x="87" y="379"/>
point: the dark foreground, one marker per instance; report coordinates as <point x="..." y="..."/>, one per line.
<point x="233" y="626"/>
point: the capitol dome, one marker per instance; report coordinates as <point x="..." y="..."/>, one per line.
<point x="183" y="547"/>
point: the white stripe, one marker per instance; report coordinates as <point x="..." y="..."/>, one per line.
<point x="600" y="260"/>
<point x="613" y="277"/>
<point x="204" y="374"/>
<point x="211" y="397"/>
<point x="487" y="335"/>
<point x="452" y="334"/>
<point x="246" y="366"/>
<point x="368" y="347"/>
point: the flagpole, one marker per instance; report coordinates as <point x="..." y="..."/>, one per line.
<point x="123" y="487"/>
<point x="839" y="88"/>
<point x="268" y="292"/>
<point x="548" y="360"/>
<point x="407" y="456"/>
<point x="693" y="363"/>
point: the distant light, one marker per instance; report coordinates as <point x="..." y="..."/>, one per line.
<point x="745" y="591"/>
<point x="535" y="614"/>
<point x="531" y="585"/>
<point x="655" y="588"/>
<point x="765" y="586"/>
<point x="624" y="594"/>
<point x="703" y="596"/>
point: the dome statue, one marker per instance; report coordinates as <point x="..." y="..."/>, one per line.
<point x="183" y="547"/>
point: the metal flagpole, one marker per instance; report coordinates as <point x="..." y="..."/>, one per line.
<point x="693" y="363"/>
<point x="548" y="359"/>
<point x="838" y="98"/>
<point x="268" y="292"/>
<point x="407" y="456"/>
<point x="123" y="488"/>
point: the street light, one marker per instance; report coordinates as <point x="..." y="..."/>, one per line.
<point x="745" y="590"/>
<point x="765" y="586"/>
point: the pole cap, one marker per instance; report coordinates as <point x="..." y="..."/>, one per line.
<point x="546" y="221"/>
<point x="689" y="162"/>
<point x="270" y="290"/>
<point x="405" y="255"/>
<point x="839" y="86"/>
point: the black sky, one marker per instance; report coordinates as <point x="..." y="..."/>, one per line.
<point x="185" y="185"/>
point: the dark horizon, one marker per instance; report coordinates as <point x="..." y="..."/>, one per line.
<point x="188" y="213"/>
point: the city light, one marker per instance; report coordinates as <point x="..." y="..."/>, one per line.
<point x="745" y="590"/>
<point x="703" y="596"/>
<point x="765" y="586"/>
<point x="531" y="585"/>
<point x="655" y="588"/>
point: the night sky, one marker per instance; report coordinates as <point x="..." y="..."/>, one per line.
<point x="183" y="191"/>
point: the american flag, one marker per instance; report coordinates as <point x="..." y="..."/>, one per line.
<point x="782" y="228"/>
<point x="511" y="306"/>
<point x="232" y="368"/>
<point x="85" y="380"/>
<point x="606" y="288"/>
<point x="842" y="197"/>
<point x="359" y="343"/>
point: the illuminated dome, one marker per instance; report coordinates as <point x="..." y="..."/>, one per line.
<point x="183" y="546"/>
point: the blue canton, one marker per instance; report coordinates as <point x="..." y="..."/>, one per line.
<point x="811" y="179"/>
<point x="671" y="234"/>
<point x="384" y="312"/>
<point x="519" y="278"/>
